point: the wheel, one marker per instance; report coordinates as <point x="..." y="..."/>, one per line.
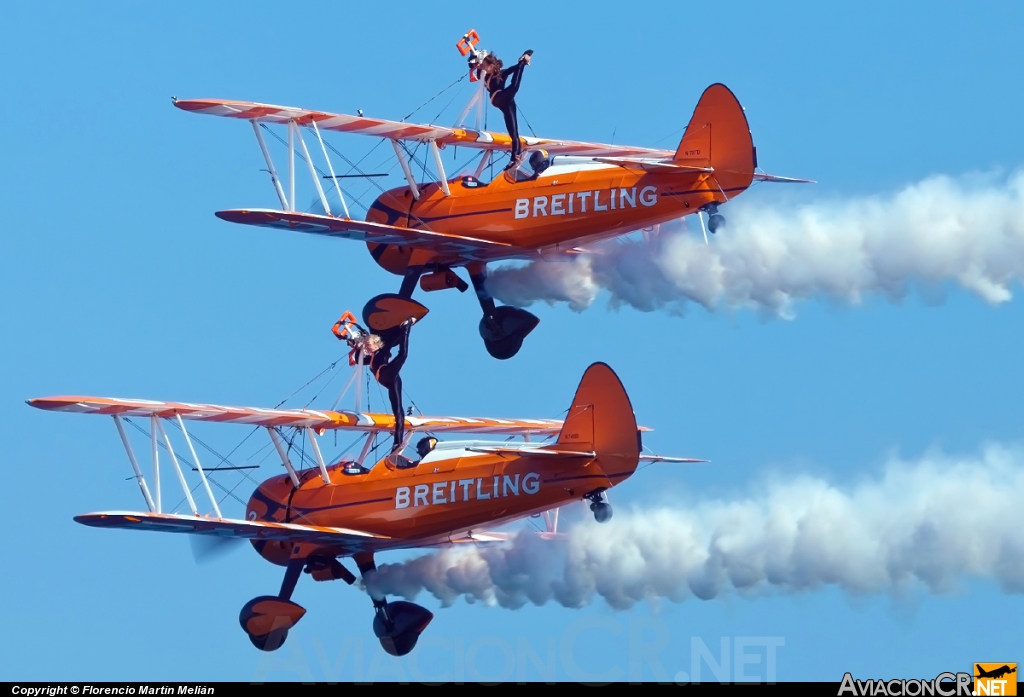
<point x="267" y="619"/>
<point x="715" y="222"/>
<point x="503" y="349"/>
<point x="400" y="644"/>
<point x="407" y="621"/>
<point x="504" y="331"/>
<point x="602" y="511"/>
<point x="269" y="642"/>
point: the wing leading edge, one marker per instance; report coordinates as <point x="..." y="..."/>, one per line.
<point x="399" y="130"/>
<point x="353" y="540"/>
<point x="465" y="248"/>
<point x="299" y="418"/>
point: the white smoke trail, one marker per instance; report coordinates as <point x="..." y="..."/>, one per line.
<point x="932" y="523"/>
<point x="969" y="231"/>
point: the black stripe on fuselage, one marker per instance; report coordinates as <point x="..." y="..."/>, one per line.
<point x="700" y="191"/>
<point x="307" y="511"/>
<point x="427" y="221"/>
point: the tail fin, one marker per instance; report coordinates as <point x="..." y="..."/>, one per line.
<point x="718" y="136"/>
<point x="601" y="419"/>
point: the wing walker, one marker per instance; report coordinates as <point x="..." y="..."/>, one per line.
<point x="321" y="513"/>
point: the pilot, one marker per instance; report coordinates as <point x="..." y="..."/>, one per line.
<point x="504" y="97"/>
<point x="425" y="445"/>
<point x="387" y="371"/>
<point x="539" y="162"/>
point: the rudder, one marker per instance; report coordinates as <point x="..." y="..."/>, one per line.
<point x="601" y="419"/>
<point x="718" y="136"/>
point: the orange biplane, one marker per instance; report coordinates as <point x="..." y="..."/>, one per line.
<point x="565" y="194"/>
<point x="308" y="519"/>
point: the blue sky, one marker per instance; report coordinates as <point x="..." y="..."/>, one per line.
<point x="116" y="279"/>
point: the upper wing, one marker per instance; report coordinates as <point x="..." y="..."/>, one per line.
<point x="399" y="130"/>
<point x="354" y="540"/>
<point x="463" y="247"/>
<point x="293" y="417"/>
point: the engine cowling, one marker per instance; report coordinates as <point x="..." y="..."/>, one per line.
<point x="391" y="208"/>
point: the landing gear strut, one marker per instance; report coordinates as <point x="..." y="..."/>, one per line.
<point x="502" y="328"/>
<point x="600" y="507"/>
<point x="397" y="624"/>
<point x="267" y="618"/>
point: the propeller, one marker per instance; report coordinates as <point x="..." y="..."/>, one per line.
<point x="210" y="548"/>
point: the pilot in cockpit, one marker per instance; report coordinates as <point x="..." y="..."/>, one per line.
<point x="539" y="161"/>
<point x="423" y="448"/>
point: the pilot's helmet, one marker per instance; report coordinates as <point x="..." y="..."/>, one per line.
<point x="425" y="445"/>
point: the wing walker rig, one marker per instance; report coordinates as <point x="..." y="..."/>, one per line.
<point x="320" y="511"/>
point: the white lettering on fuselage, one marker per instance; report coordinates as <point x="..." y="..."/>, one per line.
<point x="477" y="489"/>
<point x="562" y="204"/>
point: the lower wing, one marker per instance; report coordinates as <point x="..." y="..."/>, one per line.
<point x="467" y="248"/>
<point x="240" y="529"/>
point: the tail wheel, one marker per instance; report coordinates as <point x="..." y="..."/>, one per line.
<point x="602" y="511"/>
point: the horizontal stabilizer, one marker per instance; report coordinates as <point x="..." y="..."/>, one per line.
<point x="775" y="179"/>
<point x="225" y="527"/>
<point x="299" y="418"/>
<point x="659" y="458"/>
<point x="492" y="537"/>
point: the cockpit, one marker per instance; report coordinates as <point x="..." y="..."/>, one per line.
<point x="424" y="447"/>
<point x="536" y="163"/>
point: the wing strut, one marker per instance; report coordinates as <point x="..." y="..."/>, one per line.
<point x="479" y="101"/>
<point x="405" y="168"/>
<point x="442" y="178"/>
<point x="177" y="469"/>
<point x="292" y="128"/>
<point x="284" y="457"/>
<point x="135" y="465"/>
<point x="195" y="459"/>
<point x="312" y="172"/>
<point x="370" y="437"/>
<point x="270" y="164"/>
<point x="156" y="461"/>
<point x="341" y="195"/>
<point x="485" y="159"/>
<point x="319" y="458"/>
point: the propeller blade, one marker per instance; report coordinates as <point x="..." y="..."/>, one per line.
<point x="209" y="548"/>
